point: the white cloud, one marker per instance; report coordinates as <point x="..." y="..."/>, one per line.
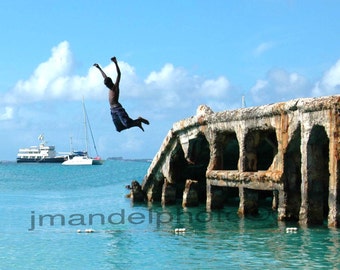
<point x="7" y="115"/>
<point x="168" y="76"/>
<point x="171" y="79"/>
<point x="47" y="76"/>
<point x="330" y="83"/>
<point x="215" y="88"/>
<point x="170" y="87"/>
<point x="174" y="87"/>
<point x="161" y="91"/>
<point x="279" y="86"/>
<point x="53" y="79"/>
<point x="257" y="90"/>
<point x="262" y="48"/>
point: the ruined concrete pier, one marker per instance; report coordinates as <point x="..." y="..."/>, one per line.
<point x="288" y="152"/>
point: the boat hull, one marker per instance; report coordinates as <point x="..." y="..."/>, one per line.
<point x="41" y="160"/>
<point x="97" y="162"/>
<point x="82" y="160"/>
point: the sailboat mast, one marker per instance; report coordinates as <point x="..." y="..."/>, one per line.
<point x="71" y="145"/>
<point x="85" y="126"/>
<point x="93" y="142"/>
<point x="87" y="123"/>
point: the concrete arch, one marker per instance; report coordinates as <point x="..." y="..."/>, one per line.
<point x="228" y="151"/>
<point x="260" y="149"/>
<point x="182" y="167"/>
<point x="317" y="175"/>
<point x="292" y="177"/>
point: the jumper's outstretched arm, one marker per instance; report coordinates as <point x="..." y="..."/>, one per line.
<point x="114" y="60"/>
<point x="101" y="71"/>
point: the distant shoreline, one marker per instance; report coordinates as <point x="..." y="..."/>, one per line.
<point x="109" y="158"/>
<point x="130" y="159"/>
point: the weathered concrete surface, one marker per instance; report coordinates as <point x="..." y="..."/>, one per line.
<point x="289" y="151"/>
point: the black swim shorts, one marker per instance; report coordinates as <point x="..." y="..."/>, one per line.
<point x="120" y="117"/>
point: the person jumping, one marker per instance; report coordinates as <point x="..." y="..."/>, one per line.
<point x="120" y="117"/>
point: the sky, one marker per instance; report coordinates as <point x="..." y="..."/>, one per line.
<point x="174" y="55"/>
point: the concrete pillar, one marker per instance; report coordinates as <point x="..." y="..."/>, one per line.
<point x="215" y="197"/>
<point x="334" y="208"/>
<point x="248" y="201"/>
<point x="303" y="214"/>
<point x="154" y="192"/>
<point x="190" y="195"/>
<point x="137" y="194"/>
<point x="168" y="193"/>
<point x="334" y="199"/>
<point x="216" y="153"/>
<point x="334" y="170"/>
<point x="282" y="205"/>
<point x="250" y="147"/>
<point x="240" y="134"/>
<point x="275" y="202"/>
<point x="208" y="200"/>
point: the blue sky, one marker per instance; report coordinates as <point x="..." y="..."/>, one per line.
<point x="174" y="55"/>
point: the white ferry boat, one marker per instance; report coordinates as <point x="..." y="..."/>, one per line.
<point x="42" y="153"/>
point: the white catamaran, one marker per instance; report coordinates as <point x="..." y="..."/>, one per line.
<point x="82" y="157"/>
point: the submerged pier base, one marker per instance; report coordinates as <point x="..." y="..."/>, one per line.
<point x="190" y="194"/>
<point x="248" y="202"/>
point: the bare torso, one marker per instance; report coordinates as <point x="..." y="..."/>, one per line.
<point x="114" y="95"/>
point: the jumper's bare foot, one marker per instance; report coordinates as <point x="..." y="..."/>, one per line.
<point x="114" y="59"/>
<point x="144" y="120"/>
<point x="96" y="65"/>
<point x="140" y="126"/>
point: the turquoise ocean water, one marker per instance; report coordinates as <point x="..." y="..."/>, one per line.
<point x="44" y="205"/>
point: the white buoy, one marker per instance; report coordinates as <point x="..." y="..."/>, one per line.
<point x="291" y="229"/>
<point x="86" y="231"/>
<point x="180" y="230"/>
